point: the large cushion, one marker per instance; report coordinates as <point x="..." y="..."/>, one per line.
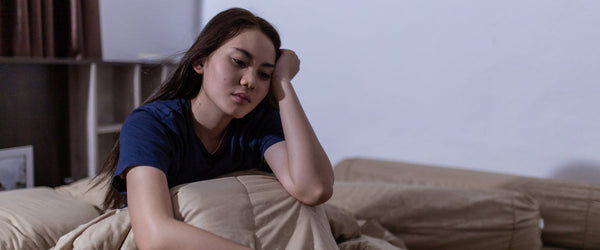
<point x="253" y="210"/>
<point x="36" y="218"/>
<point x="445" y="218"/>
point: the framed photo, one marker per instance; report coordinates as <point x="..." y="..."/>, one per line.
<point x="16" y="168"/>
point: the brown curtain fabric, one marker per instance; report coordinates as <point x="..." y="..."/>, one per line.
<point x="50" y="28"/>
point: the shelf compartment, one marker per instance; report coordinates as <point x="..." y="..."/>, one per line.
<point x="115" y="92"/>
<point x="151" y="80"/>
<point x="105" y="144"/>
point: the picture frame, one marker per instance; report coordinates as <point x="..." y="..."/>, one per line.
<point x="16" y="168"/>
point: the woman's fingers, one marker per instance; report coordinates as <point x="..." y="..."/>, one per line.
<point x="287" y="65"/>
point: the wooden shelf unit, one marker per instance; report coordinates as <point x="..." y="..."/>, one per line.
<point x="114" y="90"/>
<point x="100" y="97"/>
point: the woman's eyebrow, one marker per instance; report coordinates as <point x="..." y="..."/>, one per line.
<point x="247" y="54"/>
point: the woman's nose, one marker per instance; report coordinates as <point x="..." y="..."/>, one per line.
<point x="248" y="80"/>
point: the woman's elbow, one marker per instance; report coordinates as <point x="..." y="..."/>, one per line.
<point x="317" y="196"/>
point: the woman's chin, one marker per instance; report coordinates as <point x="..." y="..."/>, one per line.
<point x="239" y="114"/>
<point x="239" y="111"/>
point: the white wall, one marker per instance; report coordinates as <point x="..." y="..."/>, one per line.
<point x="134" y="30"/>
<point x="504" y="86"/>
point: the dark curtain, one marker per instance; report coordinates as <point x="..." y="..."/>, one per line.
<point x="50" y="28"/>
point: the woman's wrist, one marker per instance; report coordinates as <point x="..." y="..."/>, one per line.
<point x="281" y="88"/>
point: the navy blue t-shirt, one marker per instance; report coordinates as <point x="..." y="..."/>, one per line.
<point x="161" y="134"/>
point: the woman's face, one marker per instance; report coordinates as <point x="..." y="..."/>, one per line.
<point x="236" y="77"/>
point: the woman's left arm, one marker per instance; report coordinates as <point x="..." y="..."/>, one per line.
<point x="299" y="162"/>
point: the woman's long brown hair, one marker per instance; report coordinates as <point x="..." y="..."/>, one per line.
<point x="185" y="83"/>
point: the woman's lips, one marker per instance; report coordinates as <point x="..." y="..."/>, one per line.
<point x="241" y="98"/>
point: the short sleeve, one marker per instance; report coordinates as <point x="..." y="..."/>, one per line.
<point x="272" y="132"/>
<point x="144" y="140"/>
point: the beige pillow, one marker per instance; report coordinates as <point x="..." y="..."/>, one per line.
<point x="253" y="210"/>
<point x="445" y="218"/>
<point x="83" y="190"/>
<point x="35" y="218"/>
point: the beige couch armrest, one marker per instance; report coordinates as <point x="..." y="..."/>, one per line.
<point x="358" y="169"/>
<point x="426" y="217"/>
<point x="570" y="210"/>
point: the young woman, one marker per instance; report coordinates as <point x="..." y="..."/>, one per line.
<point x="227" y="107"/>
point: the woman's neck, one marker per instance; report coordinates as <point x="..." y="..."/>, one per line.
<point x="210" y="123"/>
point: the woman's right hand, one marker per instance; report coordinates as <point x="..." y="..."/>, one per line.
<point x="286" y="67"/>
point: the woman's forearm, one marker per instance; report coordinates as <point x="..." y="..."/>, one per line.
<point x="174" y="234"/>
<point x="299" y="162"/>
<point x="151" y="214"/>
<point x="308" y="165"/>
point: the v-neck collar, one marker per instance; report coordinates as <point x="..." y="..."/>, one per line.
<point x="222" y="143"/>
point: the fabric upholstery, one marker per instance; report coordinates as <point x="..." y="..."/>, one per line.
<point x="445" y="218"/>
<point x="36" y="218"/>
<point x="570" y="210"/>
<point x="358" y="169"/>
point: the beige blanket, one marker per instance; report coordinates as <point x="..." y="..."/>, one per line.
<point x="252" y="210"/>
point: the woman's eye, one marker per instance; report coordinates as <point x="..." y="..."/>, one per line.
<point x="264" y="76"/>
<point x="239" y="62"/>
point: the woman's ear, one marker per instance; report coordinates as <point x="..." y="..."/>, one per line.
<point x="199" y="67"/>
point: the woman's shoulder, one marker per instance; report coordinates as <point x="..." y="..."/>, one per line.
<point x="171" y="114"/>
<point x="161" y="109"/>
